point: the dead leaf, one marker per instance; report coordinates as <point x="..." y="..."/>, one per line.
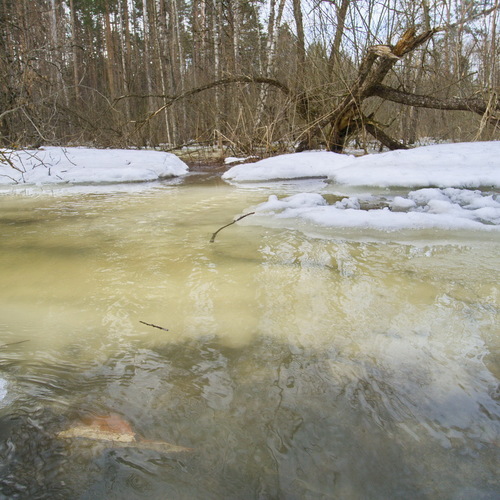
<point x="91" y="432"/>
<point x="112" y="431"/>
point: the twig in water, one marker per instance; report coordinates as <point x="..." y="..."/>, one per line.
<point x="212" y="239"/>
<point x="13" y="343"/>
<point x="154" y="326"/>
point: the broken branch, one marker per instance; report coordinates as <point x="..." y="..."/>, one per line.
<point x="212" y="239"/>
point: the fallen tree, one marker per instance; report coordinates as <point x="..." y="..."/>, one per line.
<point x="347" y="117"/>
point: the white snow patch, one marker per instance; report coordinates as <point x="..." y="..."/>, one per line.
<point x="461" y="165"/>
<point x="464" y="165"/>
<point x="296" y="201"/>
<point x="55" y="165"/>
<point x="447" y="209"/>
<point x="291" y="166"/>
<point x="233" y="159"/>
<point x="3" y="388"/>
<point x="352" y="202"/>
<point x="442" y="184"/>
<point x="400" y="204"/>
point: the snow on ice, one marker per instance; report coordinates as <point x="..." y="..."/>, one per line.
<point x="449" y="208"/>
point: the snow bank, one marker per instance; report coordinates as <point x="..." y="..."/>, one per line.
<point x="465" y="165"/>
<point x="53" y="165"/>
<point x="461" y="165"/>
<point x="448" y="209"/>
<point x="442" y="182"/>
<point x="291" y="166"/>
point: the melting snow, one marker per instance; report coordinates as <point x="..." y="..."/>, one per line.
<point x="54" y="165"/>
<point x="450" y="186"/>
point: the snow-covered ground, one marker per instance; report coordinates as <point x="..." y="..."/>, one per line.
<point x="230" y="160"/>
<point x="291" y="166"/>
<point x="463" y="165"/>
<point x="448" y="186"/>
<point x="55" y="165"/>
<point x="470" y="164"/>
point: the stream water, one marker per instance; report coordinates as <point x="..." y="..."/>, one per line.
<point x="297" y="365"/>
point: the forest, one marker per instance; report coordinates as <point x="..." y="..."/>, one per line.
<point x="264" y="76"/>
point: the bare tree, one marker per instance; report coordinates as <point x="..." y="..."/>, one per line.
<point x="123" y="72"/>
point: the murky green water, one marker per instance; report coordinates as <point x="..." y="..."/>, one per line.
<point x="294" y="367"/>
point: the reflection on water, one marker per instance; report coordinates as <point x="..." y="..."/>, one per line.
<point x="294" y="367"/>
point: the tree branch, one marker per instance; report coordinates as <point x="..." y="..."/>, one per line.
<point x="475" y="104"/>
<point x="468" y="19"/>
<point x="217" y="83"/>
<point x="13" y="343"/>
<point x="382" y="137"/>
<point x="154" y="326"/>
<point x="212" y="239"/>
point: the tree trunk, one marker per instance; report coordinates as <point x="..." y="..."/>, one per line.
<point x="126" y="52"/>
<point x="272" y="41"/>
<point x="339" y="33"/>
<point x="110" y="60"/>
<point x="414" y="111"/>
<point x="217" y="15"/>
<point x="75" y="61"/>
<point x="147" y="47"/>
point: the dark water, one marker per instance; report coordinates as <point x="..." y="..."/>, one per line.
<point x="294" y="367"/>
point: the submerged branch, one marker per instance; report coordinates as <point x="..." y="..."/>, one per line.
<point x="212" y="239"/>
<point x="154" y="326"/>
<point x="13" y="343"/>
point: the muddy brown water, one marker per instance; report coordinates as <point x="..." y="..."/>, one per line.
<point x="296" y="365"/>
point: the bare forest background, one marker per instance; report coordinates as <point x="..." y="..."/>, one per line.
<point x="263" y="76"/>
